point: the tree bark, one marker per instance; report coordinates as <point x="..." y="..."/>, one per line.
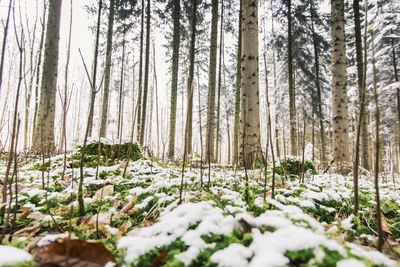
<point x="250" y="148"/>
<point x="146" y="75"/>
<point x="210" y="137"/>
<point x="235" y="154"/>
<point x="174" y="83"/>
<point x="43" y="136"/>
<point x="189" y="122"/>
<point x="107" y="71"/>
<point x="139" y="100"/>
<point x="340" y="123"/>
<point x="292" y="97"/>
<point x="220" y="73"/>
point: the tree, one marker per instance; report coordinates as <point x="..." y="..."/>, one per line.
<point x="250" y="147"/>
<point x="340" y="122"/>
<point x="107" y="71"/>
<point x="189" y="120"/>
<point x="292" y="97"/>
<point x="235" y="154"/>
<point x="174" y="83"/>
<point x="94" y="75"/>
<point x="43" y="135"/>
<point x="146" y="75"/>
<point x="212" y="75"/>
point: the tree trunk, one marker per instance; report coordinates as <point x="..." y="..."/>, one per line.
<point x="340" y="123"/>
<point x="235" y="154"/>
<point x="107" y="71"/>
<point x="174" y="84"/>
<point x="319" y="91"/>
<point x="189" y="121"/>
<point x="43" y="135"/>
<point x="250" y="148"/>
<point x="3" y="49"/>
<point x="94" y="75"/>
<point x="292" y="97"/>
<point x="146" y="75"/>
<point x="121" y="89"/>
<point x="38" y="66"/>
<point x="220" y="71"/>
<point x="210" y="137"/>
<point x="140" y="100"/>
<point x="65" y="102"/>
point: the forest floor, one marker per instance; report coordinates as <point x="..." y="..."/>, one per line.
<point x="226" y="220"/>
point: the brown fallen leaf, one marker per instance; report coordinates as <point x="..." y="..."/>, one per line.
<point x="30" y="230"/>
<point x="78" y="253"/>
<point x="107" y="190"/>
<point x="159" y="260"/>
<point x="385" y="226"/>
<point x="123" y="228"/>
<point x="130" y="207"/>
<point x="104" y="218"/>
<point x="149" y="222"/>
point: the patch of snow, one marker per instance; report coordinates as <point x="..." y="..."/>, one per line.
<point x="235" y="255"/>
<point x="350" y="263"/>
<point x="11" y="255"/>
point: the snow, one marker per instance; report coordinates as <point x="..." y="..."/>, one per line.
<point x="48" y="239"/>
<point x="346" y="223"/>
<point x="11" y="255"/>
<point x="350" y="263"/>
<point x="235" y="255"/>
<point x="374" y="256"/>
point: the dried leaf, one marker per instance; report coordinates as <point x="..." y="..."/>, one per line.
<point x="159" y="260"/>
<point x="107" y="190"/>
<point x="130" y="207"/>
<point x="30" y="230"/>
<point x="385" y="226"/>
<point x="149" y="222"/>
<point x="104" y="218"/>
<point x="123" y="228"/>
<point x="79" y="253"/>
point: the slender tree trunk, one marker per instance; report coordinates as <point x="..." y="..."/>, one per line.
<point x="140" y="98"/>
<point x="174" y="84"/>
<point x="4" y="46"/>
<point x="318" y="86"/>
<point x="121" y="88"/>
<point x="396" y="78"/>
<point x="43" y="136"/>
<point x="250" y="148"/>
<point x="377" y="149"/>
<point x="38" y="66"/>
<point x="220" y="71"/>
<point x="292" y="97"/>
<point x="63" y="142"/>
<point x="189" y="124"/>
<point x="210" y="137"/>
<point x="340" y="123"/>
<point x="146" y="75"/>
<point x="107" y="71"/>
<point x="29" y="88"/>
<point x="235" y="154"/>
<point x="95" y="60"/>
<point x="156" y="98"/>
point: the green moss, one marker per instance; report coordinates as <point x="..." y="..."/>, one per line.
<point x="294" y="167"/>
<point x="299" y="257"/>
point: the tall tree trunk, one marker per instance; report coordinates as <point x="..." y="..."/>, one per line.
<point x="340" y="123"/>
<point x="189" y="124"/>
<point x="39" y="66"/>
<point x="221" y="66"/>
<point x="361" y="88"/>
<point x="29" y="88"/>
<point x="94" y="75"/>
<point x="318" y="86"/>
<point x="210" y="137"/>
<point x="140" y="98"/>
<point x="4" y="46"/>
<point x="396" y="78"/>
<point x="235" y="154"/>
<point x="121" y="88"/>
<point x="146" y="75"/>
<point x="65" y="104"/>
<point x="107" y="71"/>
<point x="174" y="84"/>
<point x="292" y="97"/>
<point x="250" y="148"/>
<point x="377" y="149"/>
<point x="43" y="135"/>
